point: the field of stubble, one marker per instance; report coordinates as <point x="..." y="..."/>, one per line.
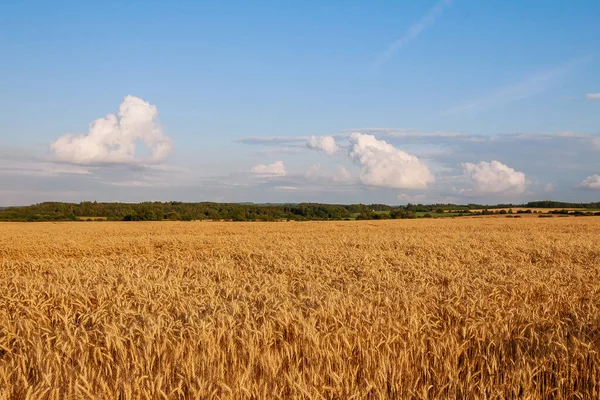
<point x="454" y="308"/>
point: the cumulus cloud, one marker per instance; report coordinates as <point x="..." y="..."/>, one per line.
<point x="591" y="183"/>
<point x="493" y="178"/>
<point x="324" y="143"/>
<point x="313" y="171"/>
<point x="275" y="169"/>
<point x="341" y="174"/>
<point x="596" y="143"/>
<point x="113" y="139"/>
<point x="381" y="164"/>
<point x="593" y="96"/>
<point x="549" y="187"/>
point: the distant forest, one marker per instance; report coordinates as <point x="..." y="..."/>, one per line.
<point x="179" y="211"/>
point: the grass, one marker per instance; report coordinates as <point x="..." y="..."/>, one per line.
<point x="427" y="309"/>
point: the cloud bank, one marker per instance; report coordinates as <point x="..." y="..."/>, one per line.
<point x="113" y="139"/>
<point x="493" y="178"/>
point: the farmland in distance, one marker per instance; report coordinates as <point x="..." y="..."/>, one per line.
<point x="429" y="308"/>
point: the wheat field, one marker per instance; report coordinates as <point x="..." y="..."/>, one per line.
<point x="423" y="309"/>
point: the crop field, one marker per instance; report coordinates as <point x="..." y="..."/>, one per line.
<point x="537" y="209"/>
<point x="428" y="309"/>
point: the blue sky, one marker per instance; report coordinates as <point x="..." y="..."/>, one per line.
<point x="423" y="101"/>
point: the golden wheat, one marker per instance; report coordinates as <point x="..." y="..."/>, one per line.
<point x="464" y="308"/>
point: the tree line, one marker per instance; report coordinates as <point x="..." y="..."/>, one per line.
<point x="181" y="211"/>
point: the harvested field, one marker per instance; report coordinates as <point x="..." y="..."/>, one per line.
<point x="430" y="309"/>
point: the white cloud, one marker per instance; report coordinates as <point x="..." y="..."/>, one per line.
<point x="591" y="182"/>
<point x="569" y="134"/>
<point x="40" y="168"/>
<point x="381" y="164"/>
<point x="415" y="30"/>
<point x="593" y="96"/>
<point x="313" y="171"/>
<point x="67" y="169"/>
<point x="341" y="174"/>
<point x="545" y="135"/>
<point x="285" y="188"/>
<point x="296" y="141"/>
<point x="275" y="169"/>
<point x="278" y="151"/>
<point x="493" y="178"/>
<point x="324" y="143"/>
<point x="113" y="139"/>
<point x="549" y="187"/>
<point x="418" y="136"/>
<point x="593" y="139"/>
<point x="135" y="184"/>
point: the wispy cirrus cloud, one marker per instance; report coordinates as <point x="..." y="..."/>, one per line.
<point x="294" y="141"/>
<point x="279" y="151"/>
<point x="593" y="96"/>
<point x="530" y="86"/>
<point x="412" y="135"/>
<point x="548" y="135"/>
<point x="20" y="162"/>
<point x="413" y="31"/>
<point x="285" y="188"/>
<point x="136" y="184"/>
<point x="41" y="169"/>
